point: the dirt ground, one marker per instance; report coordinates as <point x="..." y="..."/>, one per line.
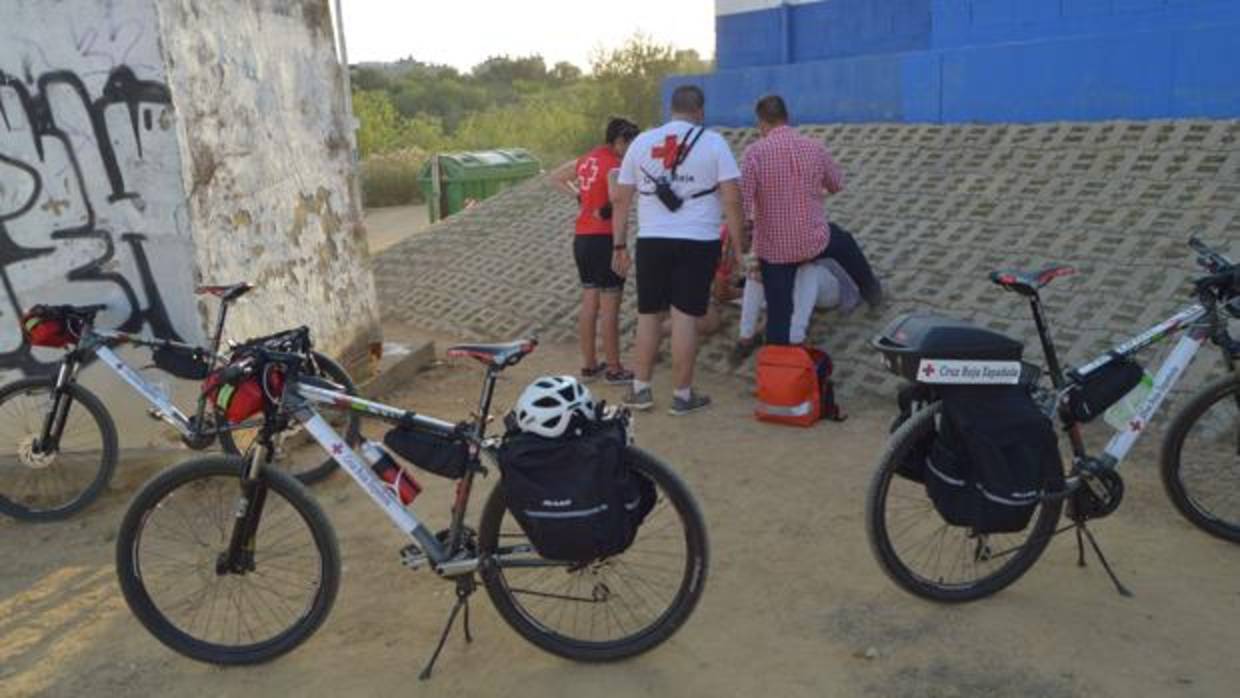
<point x="794" y="603"/>
<point x="388" y="225"/>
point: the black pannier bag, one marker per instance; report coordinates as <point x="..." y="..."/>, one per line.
<point x="575" y="497"/>
<point x="446" y="456"/>
<point x="913" y="398"/>
<point x="188" y="363"/>
<point x="993" y="459"/>
<point x="1102" y="388"/>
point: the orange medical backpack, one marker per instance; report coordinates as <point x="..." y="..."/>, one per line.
<point x="794" y="386"/>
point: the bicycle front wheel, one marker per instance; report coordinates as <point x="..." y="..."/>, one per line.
<point x="304" y="464"/>
<point x="609" y="609"/>
<point x="1200" y="461"/>
<point x="171" y="553"/>
<point x="925" y="555"/>
<point x="41" y="484"/>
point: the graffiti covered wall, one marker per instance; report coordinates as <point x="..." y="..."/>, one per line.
<point x="92" y="205"/>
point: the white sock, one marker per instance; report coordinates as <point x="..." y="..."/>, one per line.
<point x="639" y="386"/>
<point x="683" y="393"/>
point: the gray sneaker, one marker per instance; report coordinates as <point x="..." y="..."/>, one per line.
<point x="639" y="399"/>
<point x="696" y="401"/>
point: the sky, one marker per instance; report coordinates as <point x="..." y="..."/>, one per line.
<point x="463" y="33"/>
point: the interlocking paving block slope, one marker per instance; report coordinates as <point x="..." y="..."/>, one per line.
<point x="935" y="208"/>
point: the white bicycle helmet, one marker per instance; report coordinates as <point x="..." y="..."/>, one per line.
<point x="547" y="406"/>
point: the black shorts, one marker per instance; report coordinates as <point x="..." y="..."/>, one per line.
<point x="675" y="273"/>
<point x="593" y="254"/>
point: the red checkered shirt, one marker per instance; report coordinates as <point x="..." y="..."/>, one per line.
<point x="782" y="180"/>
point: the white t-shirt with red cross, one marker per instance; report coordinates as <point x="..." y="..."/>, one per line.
<point x="652" y="156"/>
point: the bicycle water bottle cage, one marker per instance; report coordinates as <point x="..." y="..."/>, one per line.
<point x="1029" y="283"/>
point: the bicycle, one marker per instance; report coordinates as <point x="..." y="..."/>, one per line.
<point x="927" y="557"/>
<point x="225" y="527"/>
<point x="63" y="458"/>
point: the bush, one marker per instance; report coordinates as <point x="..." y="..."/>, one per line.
<point x="391" y="179"/>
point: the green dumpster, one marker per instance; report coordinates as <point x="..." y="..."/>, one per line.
<point x="469" y="177"/>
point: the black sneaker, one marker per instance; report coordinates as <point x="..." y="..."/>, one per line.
<point x="744" y="349"/>
<point x="618" y="376"/>
<point x="589" y="375"/>
<point x="696" y="401"/>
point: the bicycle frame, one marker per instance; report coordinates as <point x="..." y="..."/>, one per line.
<point x="298" y="401"/>
<point x="1199" y="324"/>
<point x="99" y="344"/>
<point x="305" y="395"/>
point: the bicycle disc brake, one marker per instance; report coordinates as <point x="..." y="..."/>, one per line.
<point x="1098" y="496"/>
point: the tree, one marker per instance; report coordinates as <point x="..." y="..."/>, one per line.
<point x="502" y="69"/>
<point x="564" y="72"/>
<point x="633" y="74"/>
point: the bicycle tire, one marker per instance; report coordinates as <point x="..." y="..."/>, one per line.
<point x="334" y="372"/>
<point x="687" y="596"/>
<point x="904" y="438"/>
<point x="144" y="608"/>
<point x="108" y="443"/>
<point x="1171" y="460"/>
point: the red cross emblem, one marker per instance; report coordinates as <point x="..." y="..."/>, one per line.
<point x="667" y="152"/>
<point x="1135" y="425"/>
<point x="928" y="370"/>
<point x="337" y="449"/>
<point x="587" y="173"/>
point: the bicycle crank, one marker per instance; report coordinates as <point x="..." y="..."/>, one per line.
<point x="1098" y="496"/>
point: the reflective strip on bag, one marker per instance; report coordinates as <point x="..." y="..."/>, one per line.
<point x="801" y="410"/>
<point x="577" y="514"/>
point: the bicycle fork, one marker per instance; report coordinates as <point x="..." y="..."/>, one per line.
<point x="239" y="557"/>
<point x="58" y="415"/>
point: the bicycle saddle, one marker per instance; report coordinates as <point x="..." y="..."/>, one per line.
<point x="495" y="355"/>
<point x="1027" y="283"/>
<point x="226" y="293"/>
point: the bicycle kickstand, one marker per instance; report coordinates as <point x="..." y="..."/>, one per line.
<point x="463" y="592"/>
<point x="1082" y="529"/>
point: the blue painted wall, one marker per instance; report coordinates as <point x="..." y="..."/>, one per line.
<point x="979" y="60"/>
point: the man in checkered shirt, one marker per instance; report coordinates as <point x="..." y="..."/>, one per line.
<point x="783" y="177"/>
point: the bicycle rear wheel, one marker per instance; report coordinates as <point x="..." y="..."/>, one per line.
<point x="39" y="485"/>
<point x="1200" y="462"/>
<point x="304" y="463"/>
<point x="169" y="553"/>
<point x="609" y="609"/>
<point x="922" y="553"/>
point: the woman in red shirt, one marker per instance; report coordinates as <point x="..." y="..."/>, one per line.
<point x="591" y="179"/>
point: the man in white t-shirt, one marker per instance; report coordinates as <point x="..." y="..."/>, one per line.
<point x="686" y="181"/>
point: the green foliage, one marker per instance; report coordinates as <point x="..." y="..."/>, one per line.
<point x="391" y="179"/>
<point x="409" y="109"/>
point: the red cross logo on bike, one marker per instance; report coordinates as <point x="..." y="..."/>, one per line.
<point x="337" y="449"/>
<point x="928" y="370"/>
<point x="1136" y="425"/>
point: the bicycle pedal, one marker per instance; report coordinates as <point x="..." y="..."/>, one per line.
<point x="412" y="557"/>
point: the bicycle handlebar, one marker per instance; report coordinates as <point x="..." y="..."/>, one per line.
<point x="1209" y="259"/>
